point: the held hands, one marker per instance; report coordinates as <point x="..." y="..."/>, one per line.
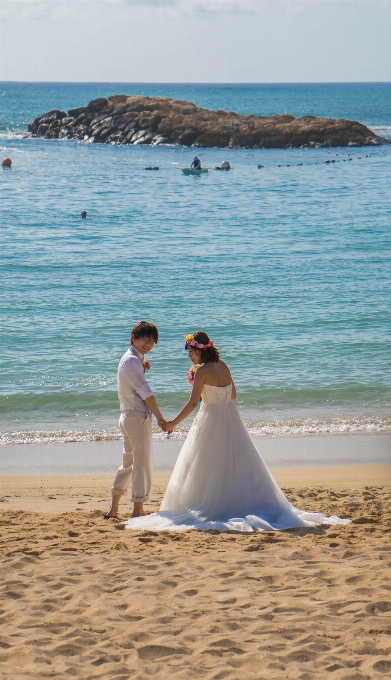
<point x="165" y="425"/>
<point x="169" y="426"/>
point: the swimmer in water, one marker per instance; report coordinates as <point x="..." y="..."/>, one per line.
<point x="84" y="214"/>
<point x="224" y="166"/>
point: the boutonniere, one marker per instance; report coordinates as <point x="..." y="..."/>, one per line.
<point x="191" y="373"/>
<point x="146" y="365"/>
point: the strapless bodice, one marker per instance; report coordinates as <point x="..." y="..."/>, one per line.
<point x="216" y="395"/>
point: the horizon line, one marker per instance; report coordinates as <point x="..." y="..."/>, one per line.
<point x="123" y="82"/>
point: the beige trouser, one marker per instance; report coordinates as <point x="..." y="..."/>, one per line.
<point x="136" y="427"/>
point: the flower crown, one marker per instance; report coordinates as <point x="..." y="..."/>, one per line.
<point x="193" y="343"/>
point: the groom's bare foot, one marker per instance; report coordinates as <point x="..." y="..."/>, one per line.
<point x="139" y="514"/>
<point x="113" y="509"/>
<point x="138" y="510"/>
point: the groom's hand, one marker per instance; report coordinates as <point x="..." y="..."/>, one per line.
<point x="162" y="424"/>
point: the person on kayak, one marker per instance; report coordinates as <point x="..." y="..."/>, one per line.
<point x="196" y="164"/>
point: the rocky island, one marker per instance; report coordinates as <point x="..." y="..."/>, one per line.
<point x="155" y="120"/>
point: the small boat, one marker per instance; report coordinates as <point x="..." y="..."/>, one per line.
<point x="191" y="171"/>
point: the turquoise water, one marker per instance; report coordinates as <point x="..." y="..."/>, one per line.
<point x="287" y="268"/>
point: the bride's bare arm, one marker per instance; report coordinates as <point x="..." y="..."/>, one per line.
<point x="191" y="404"/>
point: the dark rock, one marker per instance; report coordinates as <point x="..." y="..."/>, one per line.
<point x="56" y="114"/>
<point x="106" y="133"/>
<point x="212" y="139"/>
<point x="75" y="113"/>
<point x="154" y="120"/>
<point x="82" y="120"/>
<point x="97" y="104"/>
<point x="52" y="134"/>
<point x="242" y="141"/>
<point x="33" y="126"/>
<point x="120" y="111"/>
<point x="100" y="134"/>
<point x="42" y="130"/>
<point x="147" y="122"/>
<point x="67" y="121"/>
<point x="143" y="137"/>
<point x="129" y="135"/>
<point x="159" y="139"/>
<point x="49" y="118"/>
<point x="136" y="107"/>
<point x="189" y="135"/>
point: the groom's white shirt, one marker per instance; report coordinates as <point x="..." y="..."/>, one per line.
<point x="132" y="386"/>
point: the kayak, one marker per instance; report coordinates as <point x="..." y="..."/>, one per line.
<point x="190" y="171"/>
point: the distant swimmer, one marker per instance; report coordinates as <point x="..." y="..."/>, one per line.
<point x="7" y="162"/>
<point x="196" y="164"/>
<point x="84" y="214"/>
<point x="224" y="166"/>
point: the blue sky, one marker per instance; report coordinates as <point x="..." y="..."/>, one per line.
<point x="196" y="40"/>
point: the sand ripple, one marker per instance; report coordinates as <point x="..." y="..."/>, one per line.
<point x="82" y="598"/>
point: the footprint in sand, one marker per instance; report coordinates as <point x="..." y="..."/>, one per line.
<point x="382" y="666"/>
<point x="151" y="652"/>
<point x="379" y="608"/>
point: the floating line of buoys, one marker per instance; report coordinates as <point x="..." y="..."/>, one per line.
<point x="331" y="160"/>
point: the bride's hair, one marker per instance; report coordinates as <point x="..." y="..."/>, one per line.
<point x="210" y="354"/>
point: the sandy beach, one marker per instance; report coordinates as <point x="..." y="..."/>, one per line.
<point x="83" y="598"/>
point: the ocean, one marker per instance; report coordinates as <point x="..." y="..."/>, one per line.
<point x="287" y="267"/>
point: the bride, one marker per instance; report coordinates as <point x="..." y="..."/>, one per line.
<point x="220" y="480"/>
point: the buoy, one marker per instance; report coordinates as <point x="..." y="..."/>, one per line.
<point x="7" y="162"/>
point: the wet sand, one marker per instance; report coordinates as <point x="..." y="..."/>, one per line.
<point x="83" y="598"/>
<point x="278" y="452"/>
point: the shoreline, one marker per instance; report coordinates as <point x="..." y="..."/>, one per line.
<point x="58" y="494"/>
<point x="104" y="457"/>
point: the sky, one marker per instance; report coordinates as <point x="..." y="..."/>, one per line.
<point x="220" y="41"/>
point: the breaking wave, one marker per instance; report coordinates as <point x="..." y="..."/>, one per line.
<point x="283" y="428"/>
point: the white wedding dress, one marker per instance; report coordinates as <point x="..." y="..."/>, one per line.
<point x="221" y="482"/>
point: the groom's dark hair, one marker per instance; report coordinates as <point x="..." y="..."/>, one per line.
<point x="144" y="329"/>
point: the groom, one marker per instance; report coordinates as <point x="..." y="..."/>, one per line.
<point x="136" y="403"/>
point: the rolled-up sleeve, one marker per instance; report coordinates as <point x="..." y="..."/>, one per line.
<point x="134" y="372"/>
